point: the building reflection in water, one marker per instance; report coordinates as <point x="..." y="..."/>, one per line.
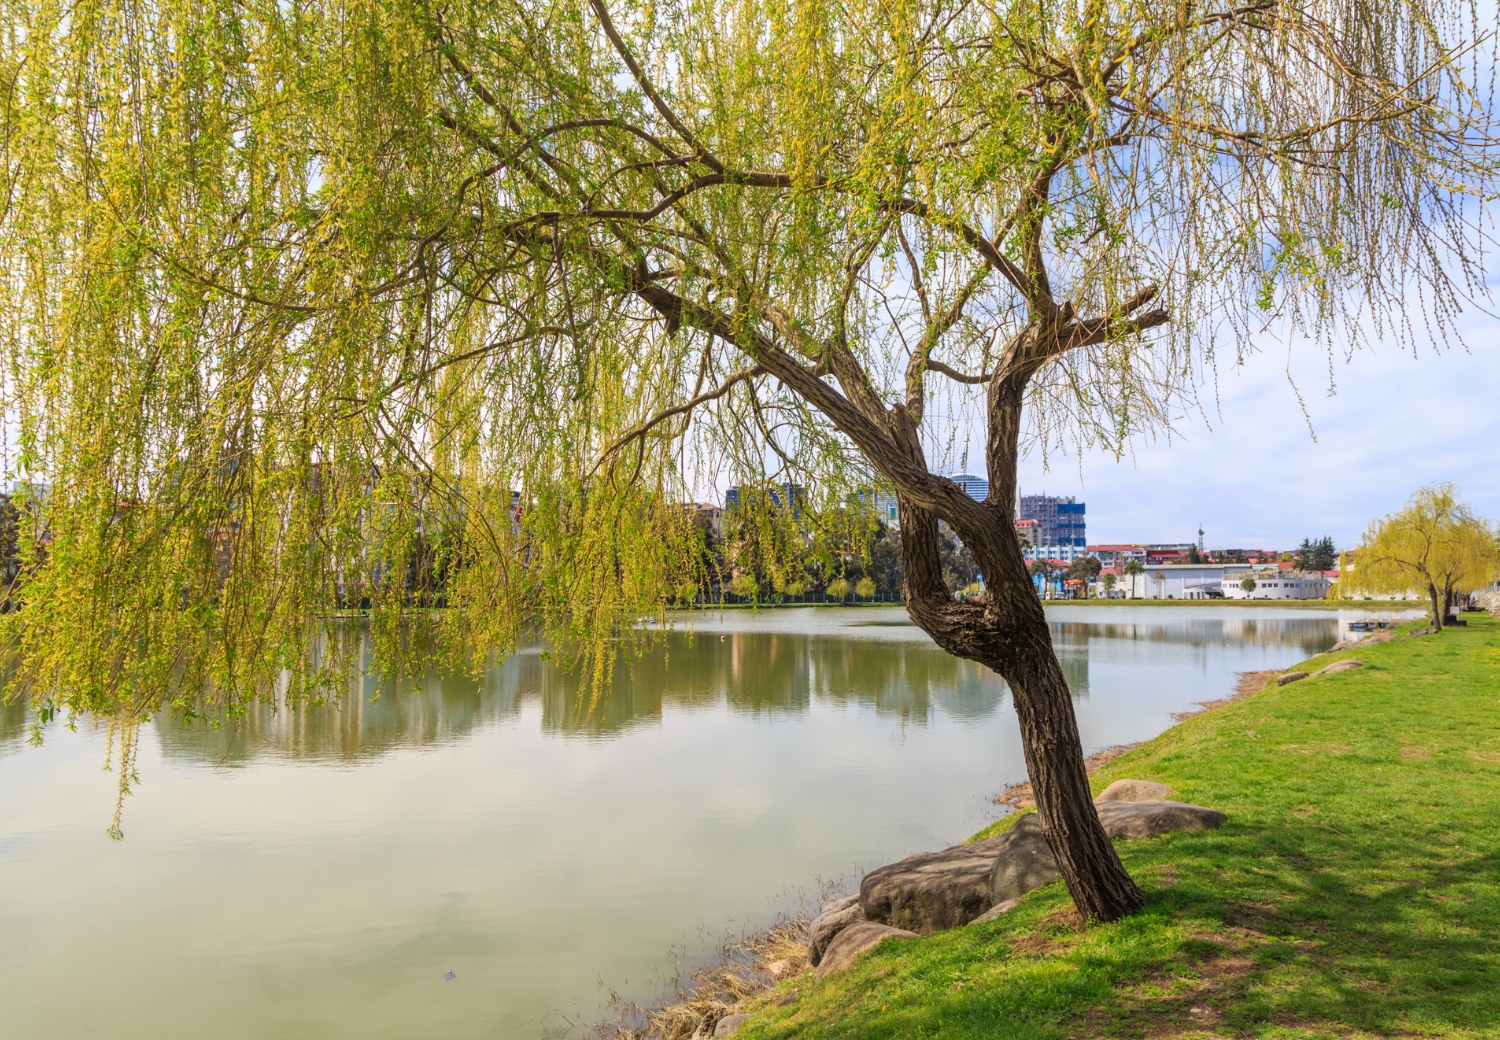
<point x="890" y="668"/>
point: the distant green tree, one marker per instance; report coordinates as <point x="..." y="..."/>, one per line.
<point x="1316" y="555"/>
<point x="1085" y="567"/>
<point x="745" y="586"/>
<point x="1248" y="584"/>
<point x="1436" y="544"/>
<point x="1133" y="568"/>
<point x="864" y="588"/>
<point x="1108" y="582"/>
<point x="959" y="567"/>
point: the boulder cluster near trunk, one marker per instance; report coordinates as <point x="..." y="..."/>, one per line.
<point x="935" y="891"/>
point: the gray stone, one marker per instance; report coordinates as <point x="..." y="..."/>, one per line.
<point x="729" y="1023"/>
<point x="833" y="918"/>
<point x="1148" y="819"/>
<point x="1342" y="644"/>
<point x="932" y="891"/>
<point x="935" y="891"/>
<point x="997" y="911"/>
<point x="1339" y="666"/>
<point x="1289" y="677"/>
<point x="1024" y="862"/>
<point x="1133" y="791"/>
<point x="855" y="940"/>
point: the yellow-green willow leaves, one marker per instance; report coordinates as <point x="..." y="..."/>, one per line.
<point x="319" y="306"/>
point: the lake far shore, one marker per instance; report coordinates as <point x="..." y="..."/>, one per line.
<point x="1351" y="892"/>
<point x="1294" y="604"/>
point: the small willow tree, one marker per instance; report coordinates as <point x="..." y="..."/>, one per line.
<point x="333" y="304"/>
<point x="1435" y="545"/>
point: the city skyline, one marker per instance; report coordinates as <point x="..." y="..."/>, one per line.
<point x="1257" y="478"/>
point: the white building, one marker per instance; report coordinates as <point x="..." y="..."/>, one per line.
<point x="1118" y="555"/>
<point x="1275" y="585"/>
<point x="1177" y="581"/>
<point x="1064" y="553"/>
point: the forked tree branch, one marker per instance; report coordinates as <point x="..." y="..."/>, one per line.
<point x="723" y="388"/>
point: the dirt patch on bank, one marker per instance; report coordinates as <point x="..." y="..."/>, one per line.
<point x="746" y="966"/>
<point x="1248" y="685"/>
<point x="1019" y="796"/>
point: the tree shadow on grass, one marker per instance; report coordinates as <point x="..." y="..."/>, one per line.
<point x="1327" y="932"/>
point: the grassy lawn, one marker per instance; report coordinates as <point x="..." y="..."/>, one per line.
<point x="1355" y="890"/>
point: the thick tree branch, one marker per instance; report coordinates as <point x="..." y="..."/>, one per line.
<point x="910" y="476"/>
<point x="957" y="376"/>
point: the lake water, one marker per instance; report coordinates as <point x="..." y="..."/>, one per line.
<point x="314" y="874"/>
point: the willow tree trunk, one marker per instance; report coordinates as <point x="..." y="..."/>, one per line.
<point x="1437" y="606"/>
<point x="1006" y="630"/>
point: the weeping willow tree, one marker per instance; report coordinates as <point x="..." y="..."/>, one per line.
<point x="330" y="304"/>
<point x="1435" y="544"/>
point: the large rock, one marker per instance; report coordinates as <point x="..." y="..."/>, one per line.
<point x="1339" y="666"/>
<point x="935" y="891"/>
<point x="932" y="891"/>
<point x="1289" y="677"/>
<point x="729" y="1023"/>
<point x="855" y="940"/>
<point x="833" y="918"/>
<point x="1148" y="819"/>
<point x="1024" y="862"/>
<point x="997" y="911"/>
<point x="1133" y="791"/>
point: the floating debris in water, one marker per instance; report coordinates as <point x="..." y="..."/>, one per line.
<point x="449" y="976"/>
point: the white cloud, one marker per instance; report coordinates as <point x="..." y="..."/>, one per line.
<point x="1258" y="478"/>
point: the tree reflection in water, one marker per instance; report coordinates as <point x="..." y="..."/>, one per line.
<point x="753" y="666"/>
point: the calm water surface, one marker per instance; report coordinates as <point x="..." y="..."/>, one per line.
<point x="314" y="874"/>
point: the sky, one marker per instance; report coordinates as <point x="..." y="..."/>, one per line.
<point x="1260" y="478"/>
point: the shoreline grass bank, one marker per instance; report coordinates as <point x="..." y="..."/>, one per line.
<point x="1354" y="891"/>
<point x="1295" y="604"/>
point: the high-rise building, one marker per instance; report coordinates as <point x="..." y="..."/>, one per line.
<point x="784" y="496"/>
<point x="882" y="504"/>
<point x="1061" y="519"/>
<point x="976" y="488"/>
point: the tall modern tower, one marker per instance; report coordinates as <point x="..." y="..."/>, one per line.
<point x="976" y="488"/>
<point x="1061" y="520"/>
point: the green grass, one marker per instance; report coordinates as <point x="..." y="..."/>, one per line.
<point x="1355" y="890"/>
